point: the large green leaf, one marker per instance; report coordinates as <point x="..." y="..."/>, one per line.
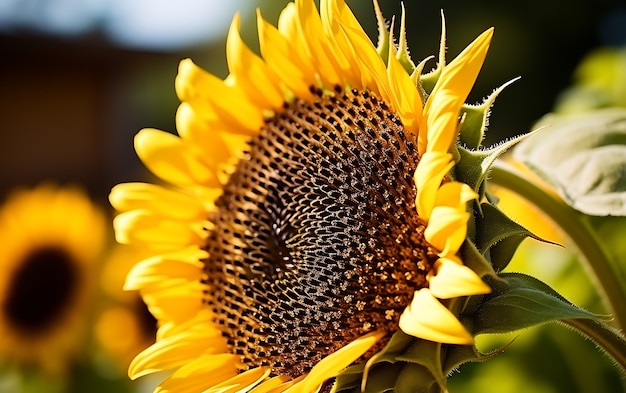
<point x="520" y="302"/>
<point x="584" y="157"/>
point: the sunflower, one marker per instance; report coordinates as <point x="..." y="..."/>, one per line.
<point x="313" y="210"/>
<point x="51" y="242"/>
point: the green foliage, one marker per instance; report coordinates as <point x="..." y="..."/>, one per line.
<point x="584" y="157"/>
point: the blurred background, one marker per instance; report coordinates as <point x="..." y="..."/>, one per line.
<point x="78" y="79"/>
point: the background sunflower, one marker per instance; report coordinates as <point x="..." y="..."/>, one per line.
<point x="52" y="241"/>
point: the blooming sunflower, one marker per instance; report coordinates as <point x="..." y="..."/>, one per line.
<point x="52" y="239"/>
<point x="313" y="210"/>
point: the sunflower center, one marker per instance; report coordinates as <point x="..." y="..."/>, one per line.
<point x="40" y="290"/>
<point x="316" y="238"/>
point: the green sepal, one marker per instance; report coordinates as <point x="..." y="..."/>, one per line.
<point x="472" y="258"/>
<point x="349" y="380"/>
<point x="521" y="302"/>
<point x="497" y="236"/>
<point x="403" y="49"/>
<point x="382" y="46"/>
<point x="428" y="80"/>
<point x="415" y="378"/>
<point x="584" y="157"/>
<point x="456" y="355"/>
<point x="427" y="354"/>
<point x="473" y="166"/>
<point x="476" y="119"/>
<point x="421" y="356"/>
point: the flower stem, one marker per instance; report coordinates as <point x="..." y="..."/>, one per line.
<point x="607" y="338"/>
<point x="576" y="227"/>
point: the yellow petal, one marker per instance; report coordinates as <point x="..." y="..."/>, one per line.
<point x="155" y="270"/>
<point x="200" y="374"/>
<point x="405" y="97"/>
<point x="282" y="58"/>
<point x="273" y="384"/>
<point x="431" y="169"/>
<point x="311" y="33"/>
<point x="175" y="351"/>
<point x="461" y="73"/>
<point x="338" y="43"/>
<point x="288" y="28"/>
<point x="206" y="137"/>
<point x="427" y="318"/>
<point x="174" y="300"/>
<point x="203" y="317"/>
<point x="358" y="45"/>
<point x="171" y="204"/>
<point x="442" y="122"/>
<point x="446" y="229"/>
<point x="242" y="382"/>
<point x="455" y="194"/>
<point x="215" y="98"/>
<point x="454" y="280"/>
<point x="169" y="158"/>
<point x="442" y="107"/>
<point x="250" y="72"/>
<point x="143" y="228"/>
<point x="334" y="363"/>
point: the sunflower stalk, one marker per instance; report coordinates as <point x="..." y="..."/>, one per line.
<point x="577" y="228"/>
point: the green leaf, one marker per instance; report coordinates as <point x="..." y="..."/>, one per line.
<point x="521" y="302"/>
<point x="584" y="157"/>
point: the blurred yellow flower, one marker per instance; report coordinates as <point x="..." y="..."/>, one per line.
<point x="311" y="211"/>
<point x="52" y="239"/>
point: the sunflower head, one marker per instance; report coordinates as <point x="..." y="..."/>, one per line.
<point x="323" y="211"/>
<point x="52" y="240"/>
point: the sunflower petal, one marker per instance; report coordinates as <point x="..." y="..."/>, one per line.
<point x="200" y="374"/>
<point x="332" y="364"/>
<point x="447" y="229"/>
<point x="242" y="382"/>
<point x="405" y="97"/>
<point x="143" y="228"/>
<point x="157" y="269"/>
<point x="281" y="382"/>
<point x="203" y="135"/>
<point x="175" y="351"/>
<point x="217" y="99"/>
<point x="310" y="31"/>
<point x="250" y="71"/>
<point x="450" y="92"/>
<point x="170" y="159"/>
<point x="432" y="168"/>
<point x="171" y="204"/>
<point x="454" y="280"/>
<point x="367" y="61"/>
<point x="281" y="57"/>
<point x="175" y="300"/>
<point x="427" y="318"/>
